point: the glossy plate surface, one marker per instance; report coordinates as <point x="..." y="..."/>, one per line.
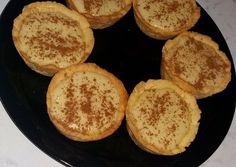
<point x="130" y="55"/>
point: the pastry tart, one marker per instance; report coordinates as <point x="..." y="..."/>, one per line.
<point x="164" y="19"/>
<point x="161" y="118"/>
<point x="86" y="102"/>
<point x="101" y="13"/>
<point x="50" y="37"/>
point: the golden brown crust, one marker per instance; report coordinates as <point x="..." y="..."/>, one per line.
<point x="94" y="114"/>
<point x="166" y="32"/>
<point x="29" y="37"/>
<point x="204" y="69"/>
<point x="101" y="21"/>
<point x="164" y="126"/>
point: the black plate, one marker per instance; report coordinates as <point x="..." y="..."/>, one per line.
<point x="132" y="56"/>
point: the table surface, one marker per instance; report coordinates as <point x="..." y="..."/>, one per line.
<point x="17" y="151"/>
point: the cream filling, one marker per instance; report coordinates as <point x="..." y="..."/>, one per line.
<point x="166" y="118"/>
<point x="92" y="99"/>
<point x="196" y="63"/>
<point x="99" y="7"/>
<point x="165" y="14"/>
<point x="52" y="38"/>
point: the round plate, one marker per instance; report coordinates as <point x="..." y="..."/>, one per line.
<point x="130" y="55"/>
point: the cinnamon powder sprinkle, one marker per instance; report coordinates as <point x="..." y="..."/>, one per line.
<point x="95" y="6"/>
<point x="160" y="106"/>
<point x="50" y="42"/>
<point x="162" y="11"/>
<point x="85" y="105"/>
<point x="196" y="55"/>
<point x="71" y="104"/>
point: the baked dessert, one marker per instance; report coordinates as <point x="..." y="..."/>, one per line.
<point x="163" y="19"/>
<point x="50" y="37"/>
<point x="161" y="118"/>
<point x="86" y="102"/>
<point x="194" y="62"/>
<point x="101" y="13"/>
